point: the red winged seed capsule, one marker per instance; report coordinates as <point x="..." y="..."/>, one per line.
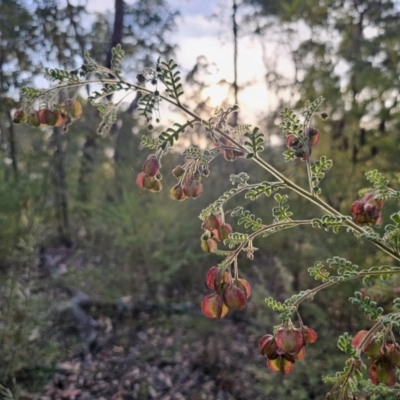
<point x="373" y="348"/>
<point x="61" y="118"/>
<point x="382" y="372"/>
<point x="223" y="231"/>
<point x="33" y="120"/>
<point x="209" y="245"/>
<point x="309" y="335"/>
<point x="280" y="364"/>
<point x="222" y="281"/>
<point x="313" y="135"/>
<point x="213" y="306"/>
<point x="19" y="116"/>
<point x="211" y="276"/>
<point x="394" y="354"/>
<point x="244" y="286"/>
<point x="140" y="180"/>
<point x="289" y="340"/>
<point x="212" y="221"/>
<point x="268" y="346"/>
<point x="193" y="188"/>
<point x="74" y="109"/>
<point x="47" y="117"/>
<point x="151" y="166"/>
<point x="155" y="186"/>
<point x="178" y="172"/>
<point x="301" y="354"/>
<point x="177" y="193"/>
<point x="234" y="298"/>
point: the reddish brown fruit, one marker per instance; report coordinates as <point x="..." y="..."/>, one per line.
<point x="234" y="298"/>
<point x="209" y="245"/>
<point x="193" y="188"/>
<point x="289" y="340"/>
<point x="222" y="281"/>
<point x="211" y="276"/>
<point x="212" y="222"/>
<point x="140" y="180"/>
<point x="224" y="231"/>
<point x="394" y="354"/>
<point x="301" y="354"/>
<point x="382" y="372"/>
<point x="213" y="306"/>
<point x="151" y="166"/>
<point x="267" y="346"/>
<point x="358" y="337"/>
<point x="19" y="116"/>
<point x="177" y="193"/>
<point x="74" y="109"/>
<point x="61" y="118"/>
<point x="155" y="186"/>
<point x="33" y="120"/>
<point x="313" y="136"/>
<point x="178" y="172"/>
<point x="309" y="335"/>
<point x="47" y="117"/>
<point x="281" y="365"/>
<point x="244" y="286"/>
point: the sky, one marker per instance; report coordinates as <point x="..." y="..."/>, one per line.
<point x="198" y="34"/>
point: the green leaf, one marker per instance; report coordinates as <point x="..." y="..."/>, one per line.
<point x="150" y="143"/>
<point x="310" y="109"/>
<point x="255" y="142"/>
<point x="264" y="188"/>
<point x="247" y="219"/>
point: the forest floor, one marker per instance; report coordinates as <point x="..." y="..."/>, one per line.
<point x="153" y="355"/>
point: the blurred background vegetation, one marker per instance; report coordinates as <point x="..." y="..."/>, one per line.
<point x="88" y="261"/>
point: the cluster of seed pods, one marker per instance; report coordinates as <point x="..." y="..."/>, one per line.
<point x="230" y="293"/>
<point x="215" y="231"/>
<point x="286" y="347"/>
<point x="189" y="181"/>
<point x="150" y="177"/>
<point x="367" y="210"/>
<point x="301" y="149"/>
<point x="384" y="358"/>
<point x="62" y="114"/>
